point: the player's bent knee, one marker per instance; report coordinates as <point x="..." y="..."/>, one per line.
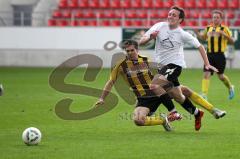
<point x="179" y="99"/>
<point x="139" y="122"/>
<point x="153" y="87"/>
<point x="186" y="92"/>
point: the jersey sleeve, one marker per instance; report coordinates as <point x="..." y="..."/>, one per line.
<point x="205" y="31"/>
<point x="154" y="28"/>
<point x="227" y="31"/>
<point x="190" y="39"/>
<point x="115" y="71"/>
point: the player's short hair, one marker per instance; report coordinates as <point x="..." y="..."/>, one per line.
<point x="218" y="12"/>
<point x="182" y="13"/>
<point x="125" y="43"/>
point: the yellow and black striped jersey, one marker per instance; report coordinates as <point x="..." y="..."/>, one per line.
<point x="136" y="73"/>
<point x="216" y="42"/>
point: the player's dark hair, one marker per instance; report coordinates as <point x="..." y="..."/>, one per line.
<point x="182" y="13"/>
<point x="125" y="43"/>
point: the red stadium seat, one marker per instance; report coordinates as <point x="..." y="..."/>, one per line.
<point x="157" y="4"/>
<point x="163" y="14"/>
<point x="63" y="4"/>
<point x="105" y="23"/>
<point x="142" y="14"/>
<point x="233" y="4"/>
<point x="152" y="22"/>
<point x="230" y="14"/>
<point x="62" y="23"/>
<point x="237" y="23"/>
<point x="57" y="14"/>
<point x="104" y="4"/>
<point x="183" y="23"/>
<point x="67" y="14"/>
<point x="168" y="3"/>
<point x="136" y="4"/>
<point x="222" y="4"/>
<point x="52" y="22"/>
<point x="116" y="23"/>
<point x="204" y="23"/>
<point x="147" y="3"/>
<point x="73" y="3"/>
<point x="74" y="23"/>
<point x="93" y="3"/>
<point x="159" y="14"/>
<point x="115" y="4"/>
<point x="211" y="4"/>
<point x="83" y="4"/>
<point x="191" y="22"/>
<point x="92" y="23"/>
<point x="118" y="13"/>
<point x="127" y="23"/>
<point x="89" y="13"/>
<point x="194" y="14"/>
<point x="130" y="14"/>
<point x="83" y="23"/>
<point x="154" y="13"/>
<point x="201" y="4"/>
<point x="206" y="14"/>
<point x="137" y="23"/>
<point x="126" y="4"/>
<point x="79" y="14"/>
<point x="180" y="3"/>
<point x="190" y="3"/>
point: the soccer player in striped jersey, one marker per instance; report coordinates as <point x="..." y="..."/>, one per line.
<point x="135" y="70"/>
<point x="217" y="36"/>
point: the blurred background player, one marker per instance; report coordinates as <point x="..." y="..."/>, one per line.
<point x="135" y="70"/>
<point x="170" y="39"/>
<point x="1" y="90"/>
<point x="217" y="36"/>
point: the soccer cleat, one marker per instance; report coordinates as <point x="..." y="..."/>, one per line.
<point x="166" y="124"/>
<point x="231" y="92"/>
<point x="217" y="113"/>
<point x="174" y="116"/>
<point x="1" y="90"/>
<point x="198" y="120"/>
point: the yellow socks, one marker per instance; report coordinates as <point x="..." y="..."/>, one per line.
<point x="154" y="120"/>
<point x="196" y="98"/>
<point x="205" y="86"/>
<point x="227" y="82"/>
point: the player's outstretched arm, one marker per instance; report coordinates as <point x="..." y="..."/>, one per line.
<point x="199" y="35"/>
<point x="105" y="92"/>
<point x="145" y="39"/>
<point x="205" y="59"/>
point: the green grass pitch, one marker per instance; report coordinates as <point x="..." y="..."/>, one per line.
<point x="28" y="100"/>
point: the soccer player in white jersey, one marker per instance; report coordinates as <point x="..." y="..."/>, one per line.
<point x="170" y="39"/>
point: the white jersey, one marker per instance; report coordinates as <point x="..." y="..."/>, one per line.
<point x="169" y="44"/>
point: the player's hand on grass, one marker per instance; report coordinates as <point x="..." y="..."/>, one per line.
<point x="99" y="102"/>
<point x="210" y="67"/>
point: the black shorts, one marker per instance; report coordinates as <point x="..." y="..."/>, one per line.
<point x="217" y="60"/>
<point x="171" y="72"/>
<point x="149" y="102"/>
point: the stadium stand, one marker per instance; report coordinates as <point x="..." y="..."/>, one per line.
<point x="138" y="13"/>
